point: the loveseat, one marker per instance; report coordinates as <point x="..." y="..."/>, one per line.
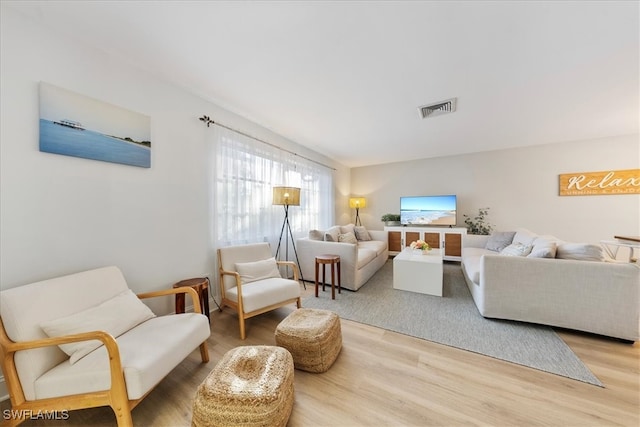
<point x="362" y="252"/>
<point x="541" y="279"/>
<point x="86" y="340"/>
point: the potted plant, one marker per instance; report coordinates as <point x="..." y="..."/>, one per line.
<point x="478" y="224"/>
<point x="390" y="219"/>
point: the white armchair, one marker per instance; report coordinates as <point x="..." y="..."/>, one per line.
<point x="250" y="281"/>
<point x="85" y="340"/>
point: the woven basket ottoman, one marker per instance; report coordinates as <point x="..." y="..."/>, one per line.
<point x="313" y="337"/>
<point x="250" y="386"/>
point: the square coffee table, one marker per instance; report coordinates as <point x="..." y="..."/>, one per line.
<point x="415" y="272"/>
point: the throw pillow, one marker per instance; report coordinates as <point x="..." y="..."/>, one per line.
<point x="580" y="252"/>
<point x="544" y="247"/>
<point x="362" y="234"/>
<point x="316" y="235"/>
<point x="516" y="249"/>
<point x="331" y="235"/>
<point x="115" y="316"/>
<point x="499" y="240"/>
<point x="258" y="270"/>
<point x="524" y="236"/>
<point x="349" y="228"/>
<point x="347" y="238"/>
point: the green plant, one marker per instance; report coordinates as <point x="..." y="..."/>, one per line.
<point x="390" y="217"/>
<point x="478" y="224"/>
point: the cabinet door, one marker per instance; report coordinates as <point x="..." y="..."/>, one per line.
<point x="395" y="241"/>
<point x="432" y="239"/>
<point x="411" y="236"/>
<point x="453" y="244"/>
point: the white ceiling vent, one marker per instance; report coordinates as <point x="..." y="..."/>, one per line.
<point x="438" y="108"/>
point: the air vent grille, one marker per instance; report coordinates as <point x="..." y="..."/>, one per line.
<point x="439" y="108"/>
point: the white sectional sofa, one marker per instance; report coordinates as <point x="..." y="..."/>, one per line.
<point x="558" y="284"/>
<point x="360" y="257"/>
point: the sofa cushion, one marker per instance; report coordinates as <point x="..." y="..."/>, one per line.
<point x="472" y="267"/>
<point x="499" y="240"/>
<point x="116" y="316"/>
<point x="257" y="270"/>
<point x="148" y="353"/>
<point x="316" y="235"/>
<point x="331" y="235"/>
<point x="261" y="294"/>
<point x="347" y="238"/>
<point x="580" y="251"/>
<point x="362" y="234"/>
<point x="516" y="249"/>
<point x="375" y="245"/>
<point x="365" y="256"/>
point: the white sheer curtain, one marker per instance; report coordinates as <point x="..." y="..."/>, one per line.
<point x="246" y="172"/>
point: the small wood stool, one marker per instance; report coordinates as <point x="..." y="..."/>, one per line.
<point x="333" y="260"/>
<point x="201" y="286"/>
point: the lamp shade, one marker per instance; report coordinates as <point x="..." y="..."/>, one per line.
<point x="286" y="196"/>
<point x="357" y="202"/>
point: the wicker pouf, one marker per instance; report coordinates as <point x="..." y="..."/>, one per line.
<point x="250" y="386"/>
<point x="313" y="337"/>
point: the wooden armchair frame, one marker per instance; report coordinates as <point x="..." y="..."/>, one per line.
<point x="238" y="306"/>
<point x="115" y="397"/>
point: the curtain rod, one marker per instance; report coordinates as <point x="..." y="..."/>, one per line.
<point x="210" y="121"/>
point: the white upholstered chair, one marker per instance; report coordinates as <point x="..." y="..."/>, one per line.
<point x="250" y="281"/>
<point x="50" y="336"/>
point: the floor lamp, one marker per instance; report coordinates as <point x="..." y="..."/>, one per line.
<point x="357" y="203"/>
<point x="287" y="196"/>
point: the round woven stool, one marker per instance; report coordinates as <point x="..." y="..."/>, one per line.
<point x="312" y="336"/>
<point x="250" y="386"/>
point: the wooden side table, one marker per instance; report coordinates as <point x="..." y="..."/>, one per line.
<point x="333" y="261"/>
<point x="201" y="286"/>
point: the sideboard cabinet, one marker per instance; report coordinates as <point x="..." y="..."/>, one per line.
<point x="449" y="239"/>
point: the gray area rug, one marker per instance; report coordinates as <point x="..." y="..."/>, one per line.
<point x="453" y="320"/>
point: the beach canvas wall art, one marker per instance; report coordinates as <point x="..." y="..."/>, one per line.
<point x="76" y="125"/>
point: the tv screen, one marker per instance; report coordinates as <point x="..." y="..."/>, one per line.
<point x="428" y="210"/>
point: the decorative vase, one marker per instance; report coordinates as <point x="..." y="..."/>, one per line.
<point x="425" y="251"/>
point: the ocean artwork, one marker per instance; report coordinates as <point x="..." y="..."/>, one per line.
<point x="75" y="125"/>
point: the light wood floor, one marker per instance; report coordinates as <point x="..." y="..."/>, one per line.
<point x="382" y="378"/>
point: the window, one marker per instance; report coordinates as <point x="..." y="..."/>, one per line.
<point x="246" y="172"/>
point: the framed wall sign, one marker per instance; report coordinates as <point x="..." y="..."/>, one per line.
<point x="600" y="183"/>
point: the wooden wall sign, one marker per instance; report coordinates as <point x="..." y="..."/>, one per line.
<point x="598" y="183"/>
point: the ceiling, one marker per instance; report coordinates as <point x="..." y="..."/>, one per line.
<point x="346" y="79"/>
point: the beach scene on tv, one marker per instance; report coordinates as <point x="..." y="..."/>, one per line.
<point x="75" y="125"/>
<point x="428" y="210"/>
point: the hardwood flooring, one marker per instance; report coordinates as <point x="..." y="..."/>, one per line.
<point x="383" y="378"/>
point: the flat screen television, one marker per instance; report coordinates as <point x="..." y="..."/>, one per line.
<point x="428" y="210"/>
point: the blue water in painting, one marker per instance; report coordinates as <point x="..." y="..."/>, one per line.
<point x="91" y="145"/>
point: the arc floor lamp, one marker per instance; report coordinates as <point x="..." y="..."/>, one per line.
<point x="357" y="203"/>
<point x="287" y="196"/>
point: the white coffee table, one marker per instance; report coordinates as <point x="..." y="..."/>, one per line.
<point x="415" y="272"/>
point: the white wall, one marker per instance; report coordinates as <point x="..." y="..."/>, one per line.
<point x="519" y="185"/>
<point x="61" y="214"/>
